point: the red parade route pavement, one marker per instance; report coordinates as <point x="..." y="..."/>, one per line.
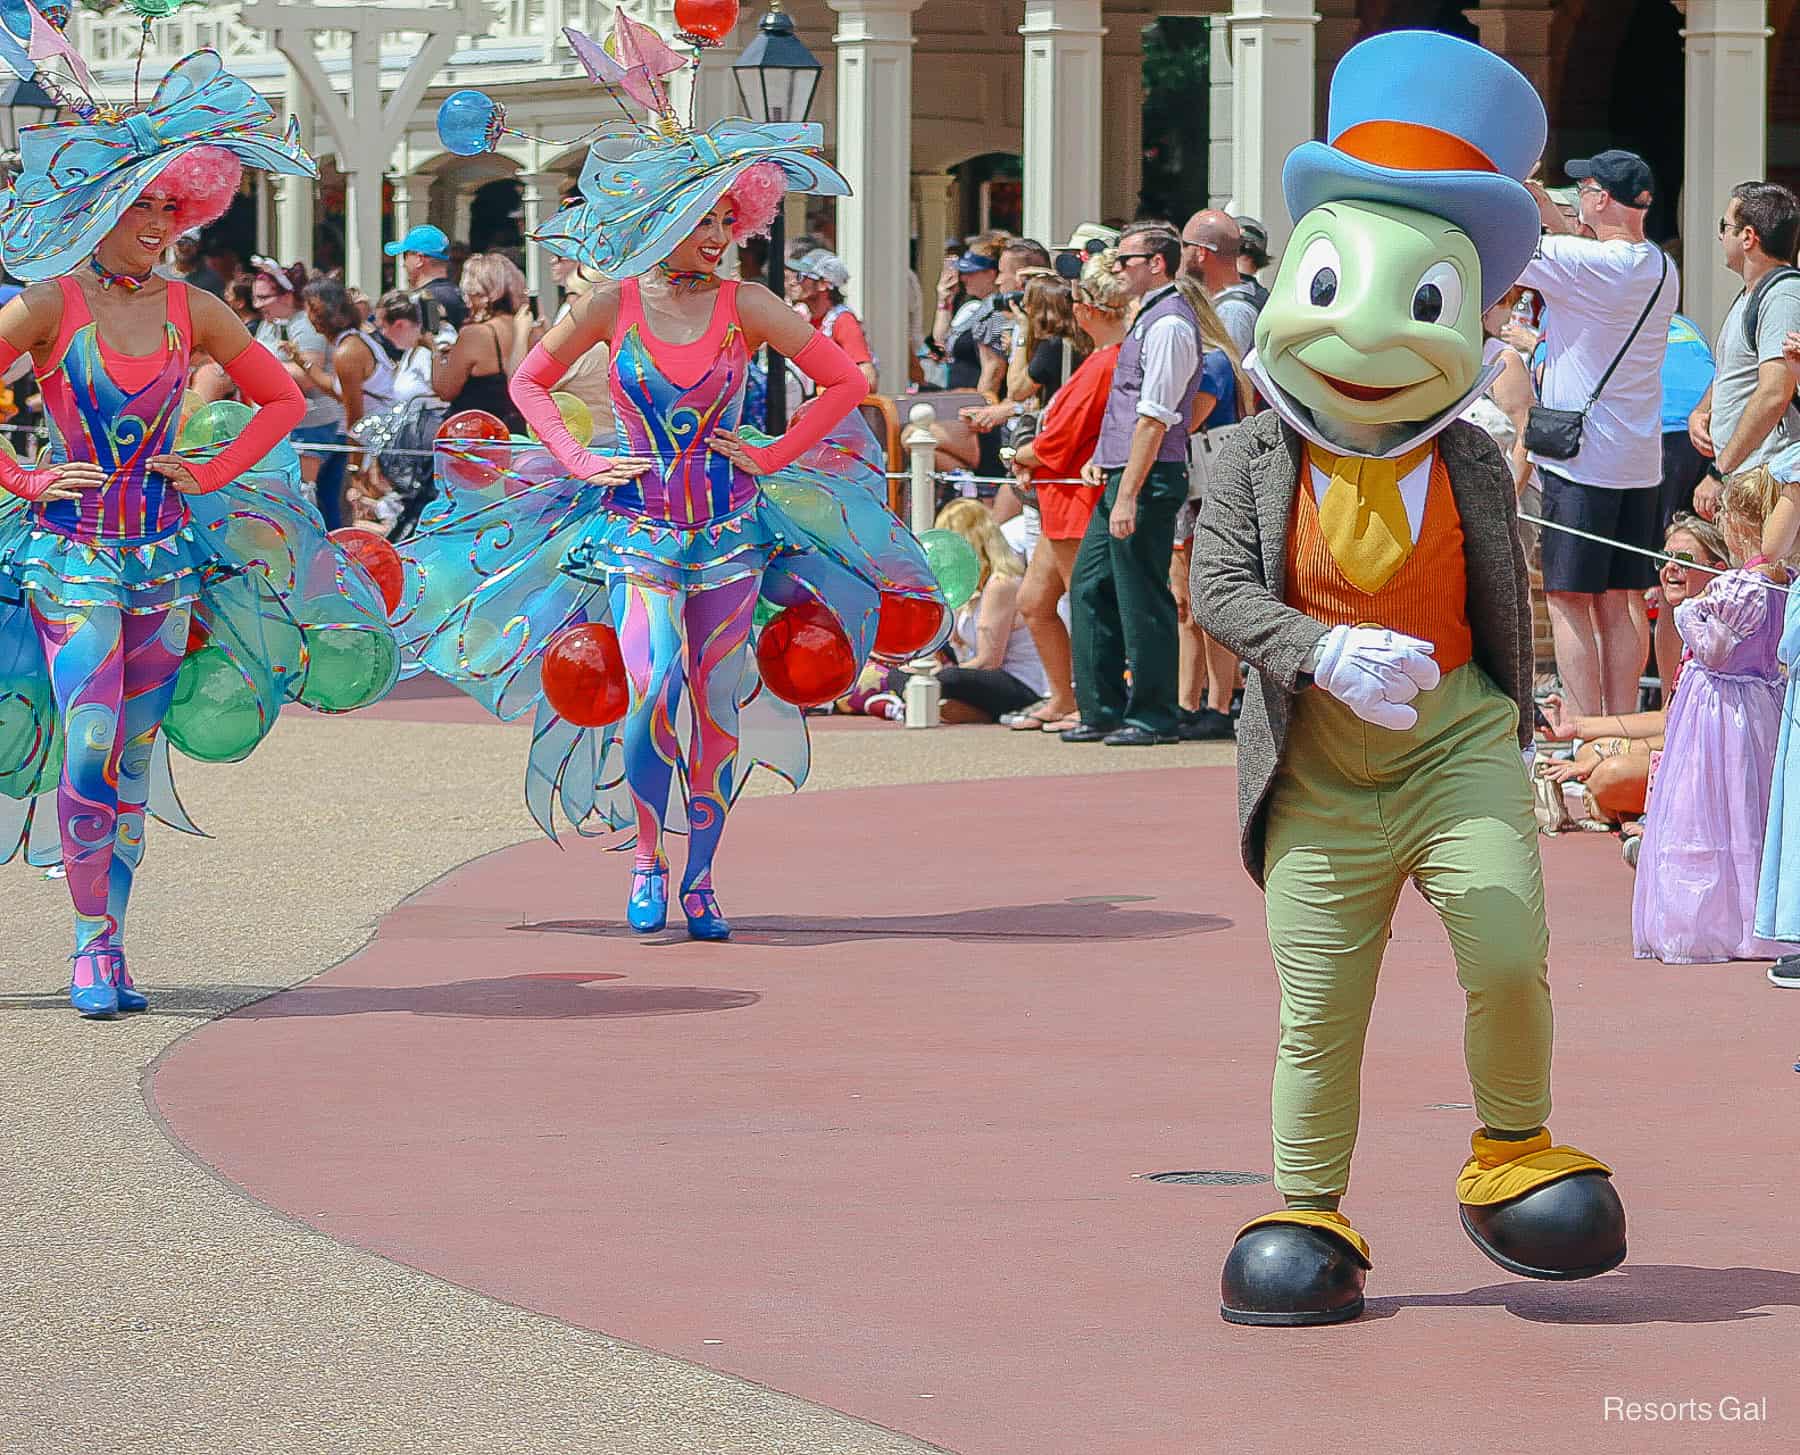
<point x="887" y="1150"/>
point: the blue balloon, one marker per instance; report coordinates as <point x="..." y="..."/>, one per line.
<point x="468" y="121"/>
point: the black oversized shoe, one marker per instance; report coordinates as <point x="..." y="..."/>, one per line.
<point x="1294" y="1269"/>
<point x="1541" y="1211"/>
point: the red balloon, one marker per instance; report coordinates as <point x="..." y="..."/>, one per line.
<point x="907" y="624"/>
<point x="710" y="20"/>
<point x="584" y="676"/>
<point x="198" y="635"/>
<point x="805" y="657"/>
<point x="376" y="556"/>
<point x="481" y="466"/>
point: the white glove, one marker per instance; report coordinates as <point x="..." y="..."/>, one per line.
<point x="1376" y="673"/>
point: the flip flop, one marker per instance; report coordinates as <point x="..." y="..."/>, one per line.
<point x="1064" y="724"/>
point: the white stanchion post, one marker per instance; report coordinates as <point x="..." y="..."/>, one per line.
<point x="921" y="446"/>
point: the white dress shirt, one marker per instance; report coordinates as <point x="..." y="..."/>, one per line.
<point x="1171" y="359"/>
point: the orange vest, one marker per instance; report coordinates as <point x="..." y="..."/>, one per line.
<point x="1429" y="595"/>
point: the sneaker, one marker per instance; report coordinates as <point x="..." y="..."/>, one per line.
<point x="1785" y="972"/>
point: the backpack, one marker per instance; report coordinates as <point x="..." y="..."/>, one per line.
<point x="1757" y="294"/>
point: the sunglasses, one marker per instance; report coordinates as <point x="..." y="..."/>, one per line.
<point x="1683" y="558"/>
<point x="1136" y="257"/>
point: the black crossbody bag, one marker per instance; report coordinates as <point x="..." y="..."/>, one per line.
<point x="1556" y="433"/>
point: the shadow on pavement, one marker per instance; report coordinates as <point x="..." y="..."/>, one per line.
<point x="1643" y="1293"/>
<point x="1085" y="919"/>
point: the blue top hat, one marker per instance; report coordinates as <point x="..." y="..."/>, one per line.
<point x="1427" y="121"/>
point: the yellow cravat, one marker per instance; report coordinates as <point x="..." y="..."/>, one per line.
<point x="1363" y="517"/>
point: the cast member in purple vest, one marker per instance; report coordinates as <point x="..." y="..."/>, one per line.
<point x="1122" y="613"/>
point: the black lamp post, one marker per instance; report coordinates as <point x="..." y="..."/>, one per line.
<point x="777" y="77"/>
<point x="22" y="104"/>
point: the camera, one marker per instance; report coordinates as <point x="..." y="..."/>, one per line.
<point x="1009" y="300"/>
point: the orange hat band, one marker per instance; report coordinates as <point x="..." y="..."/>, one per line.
<point x="1410" y="147"/>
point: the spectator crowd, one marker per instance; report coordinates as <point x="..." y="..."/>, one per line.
<point x="1083" y="390"/>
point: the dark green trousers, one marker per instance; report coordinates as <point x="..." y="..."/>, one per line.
<point x="1121" y="612"/>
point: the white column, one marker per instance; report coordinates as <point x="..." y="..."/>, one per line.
<point x="412" y="202"/>
<point x="1221" y="155"/>
<point x="1062" y="116"/>
<point x="293" y="238"/>
<point x="1727" y="45"/>
<point x="1272" y="102"/>
<point x="874" y="151"/>
<point x="541" y="192"/>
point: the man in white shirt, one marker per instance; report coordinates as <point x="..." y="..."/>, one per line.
<point x="1597" y="291"/>
<point x="1122" y="610"/>
<point x="1748" y="412"/>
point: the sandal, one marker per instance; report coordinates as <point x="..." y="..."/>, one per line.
<point x="1027" y="720"/>
<point x="1064" y="724"/>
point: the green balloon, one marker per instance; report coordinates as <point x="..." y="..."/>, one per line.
<point x="215" y="424"/>
<point x="954" y="564"/>
<point x="351" y="666"/>
<point x="216" y="716"/>
<point x="765" y="612"/>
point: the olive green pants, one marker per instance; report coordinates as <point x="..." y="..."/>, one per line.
<point x="1354" y="813"/>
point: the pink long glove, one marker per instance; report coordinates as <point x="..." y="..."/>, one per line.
<point x="530" y="390"/>
<point x="262" y="381"/>
<point x="844" y="388"/>
<point x="30" y="484"/>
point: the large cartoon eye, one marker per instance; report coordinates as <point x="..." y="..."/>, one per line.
<point x="1438" y="298"/>
<point x="1317" y="280"/>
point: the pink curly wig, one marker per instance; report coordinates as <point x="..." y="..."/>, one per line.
<point x="757" y="193"/>
<point x="201" y="183"/>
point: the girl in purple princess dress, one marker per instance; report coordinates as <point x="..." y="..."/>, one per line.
<point x="1695" y="900"/>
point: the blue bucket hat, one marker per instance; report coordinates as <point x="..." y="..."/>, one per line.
<point x="77" y="178"/>
<point x="1423" y="120"/>
<point x="642" y="196"/>
<point x="425" y="239"/>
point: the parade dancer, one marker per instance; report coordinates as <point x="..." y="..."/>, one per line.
<point x="1359" y="549"/>
<point x="675" y="537"/>
<point x="121" y="559"/>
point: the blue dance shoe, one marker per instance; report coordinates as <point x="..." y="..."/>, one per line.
<point x="705" y="922"/>
<point x="131" y="999"/>
<point x="91" y="988"/>
<point x="647" y="911"/>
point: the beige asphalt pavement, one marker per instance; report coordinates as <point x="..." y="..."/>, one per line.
<point x="145" y="1305"/>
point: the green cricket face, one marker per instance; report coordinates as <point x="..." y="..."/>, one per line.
<point x="1375" y="315"/>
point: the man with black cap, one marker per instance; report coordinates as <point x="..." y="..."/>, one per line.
<point x="1609" y="299"/>
<point x="1253" y="257"/>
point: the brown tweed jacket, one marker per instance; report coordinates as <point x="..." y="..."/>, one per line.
<point x="1239" y="586"/>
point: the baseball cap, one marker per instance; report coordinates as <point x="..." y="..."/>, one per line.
<point x="1625" y="175"/>
<point x="1090" y="238"/>
<point x="977" y="263"/>
<point x="192" y="235"/>
<point x="1253" y="240"/>
<point x="823" y="266"/>
<point x="424" y="239"/>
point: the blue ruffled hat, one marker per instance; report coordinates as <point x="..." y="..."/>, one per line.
<point x="641" y="197"/>
<point x="1424" y="120"/>
<point x="78" y="177"/>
